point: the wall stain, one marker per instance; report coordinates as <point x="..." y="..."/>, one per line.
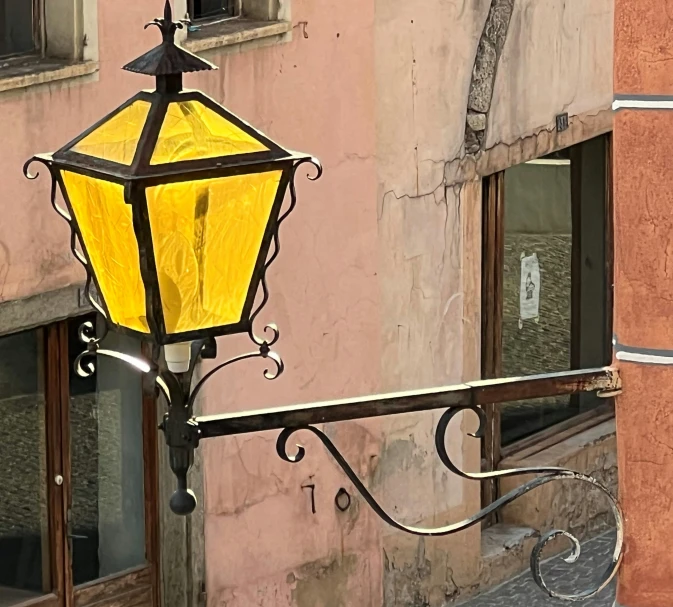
<point x="324" y="583"/>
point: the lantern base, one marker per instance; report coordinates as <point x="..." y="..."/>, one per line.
<point x="178" y="357"/>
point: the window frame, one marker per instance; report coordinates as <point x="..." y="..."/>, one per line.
<point x="493" y="241"/>
<point x="38" y="33"/>
<point x="140" y="583"/>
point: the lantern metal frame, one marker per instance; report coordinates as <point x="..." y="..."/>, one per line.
<point x="184" y="431"/>
<point x="167" y="63"/>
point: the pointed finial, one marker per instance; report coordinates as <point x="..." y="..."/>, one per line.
<point x="168" y="12"/>
<point x="168" y="59"/>
<point x="167" y="26"/>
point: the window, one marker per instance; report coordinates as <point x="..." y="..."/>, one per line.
<point x="547" y="286"/>
<point x="211" y="9"/>
<point x="78" y="514"/>
<point x="19" y="27"/>
<point x="222" y="23"/>
<point x="47" y="40"/>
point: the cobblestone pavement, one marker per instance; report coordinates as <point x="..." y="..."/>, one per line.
<point x="564" y="577"/>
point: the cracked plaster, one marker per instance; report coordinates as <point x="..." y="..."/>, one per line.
<point x="369" y="296"/>
<point x="429" y="218"/>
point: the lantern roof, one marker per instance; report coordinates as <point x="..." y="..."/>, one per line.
<point x="168" y="58"/>
<point x="156" y="136"/>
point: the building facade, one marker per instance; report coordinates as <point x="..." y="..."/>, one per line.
<point x="461" y="230"/>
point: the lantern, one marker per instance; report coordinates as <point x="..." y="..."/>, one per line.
<point x="174" y="203"/>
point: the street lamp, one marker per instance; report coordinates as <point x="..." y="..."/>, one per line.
<point x="174" y="205"/>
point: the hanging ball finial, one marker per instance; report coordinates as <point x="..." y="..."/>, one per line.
<point x="183" y="502"/>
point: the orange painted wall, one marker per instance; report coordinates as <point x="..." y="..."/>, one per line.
<point x="643" y="153"/>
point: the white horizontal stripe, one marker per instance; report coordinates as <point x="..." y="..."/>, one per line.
<point x="650" y="359"/>
<point x="647" y="104"/>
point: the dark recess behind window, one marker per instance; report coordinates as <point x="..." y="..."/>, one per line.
<point x="210" y="9"/>
<point x="16" y="27"/>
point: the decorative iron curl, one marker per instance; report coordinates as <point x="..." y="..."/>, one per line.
<point x="85" y="362"/>
<point x="547" y="475"/>
<point x="264" y="352"/>
<point x="26" y="169"/>
<point x="260" y="341"/>
<point x="75" y="244"/>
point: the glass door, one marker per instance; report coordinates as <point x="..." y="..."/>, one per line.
<point x="30" y="511"/>
<point x="106" y="509"/>
<point x="78" y="509"/>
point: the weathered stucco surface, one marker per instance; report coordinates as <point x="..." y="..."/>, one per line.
<point x="557" y="58"/>
<point x="378" y="285"/>
<point x="568" y="505"/>
<point x="643" y="298"/>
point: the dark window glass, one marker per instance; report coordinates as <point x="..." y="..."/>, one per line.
<point x="554" y="286"/>
<point x="24" y="528"/>
<point x="107" y="521"/>
<point x="206" y="9"/>
<point x="16" y="27"/>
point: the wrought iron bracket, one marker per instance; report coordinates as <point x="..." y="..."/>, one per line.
<point x="184" y="432"/>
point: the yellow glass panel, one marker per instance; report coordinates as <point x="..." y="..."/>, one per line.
<point x="117" y="139"/>
<point x="191" y="131"/>
<point x="207" y="236"/>
<point x="106" y="226"/>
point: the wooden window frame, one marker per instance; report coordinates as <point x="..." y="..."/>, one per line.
<point x="138" y="586"/>
<point x="39" y="27"/>
<point x="493" y="234"/>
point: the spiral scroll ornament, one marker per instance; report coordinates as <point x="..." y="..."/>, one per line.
<point x="545" y="475"/>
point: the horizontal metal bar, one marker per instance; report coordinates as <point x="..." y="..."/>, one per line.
<point x="492" y="391"/>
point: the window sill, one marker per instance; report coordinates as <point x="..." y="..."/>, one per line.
<point x="236" y="31"/>
<point x="24" y="72"/>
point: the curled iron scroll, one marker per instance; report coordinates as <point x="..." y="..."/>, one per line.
<point x="264" y="352"/>
<point x="75" y="244"/>
<point x="271" y="328"/>
<point x="546" y="475"/>
<point x="85" y="362"/>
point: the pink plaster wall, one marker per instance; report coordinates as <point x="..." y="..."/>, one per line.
<point x="264" y="546"/>
<point x="377" y="287"/>
<point x="314" y="94"/>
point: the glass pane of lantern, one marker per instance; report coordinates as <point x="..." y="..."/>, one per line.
<point x="207" y="236"/>
<point x="191" y="131"/>
<point x="117" y="139"/>
<point x="106" y="225"/>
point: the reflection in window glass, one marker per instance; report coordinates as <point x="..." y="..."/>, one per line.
<point x="24" y="533"/>
<point x="108" y="524"/>
<point x="537" y="288"/>
<point x="545" y="305"/>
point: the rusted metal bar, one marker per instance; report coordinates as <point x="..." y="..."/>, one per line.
<point x="491" y="391"/>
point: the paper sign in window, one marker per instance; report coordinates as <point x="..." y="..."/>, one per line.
<point x="529" y="291"/>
